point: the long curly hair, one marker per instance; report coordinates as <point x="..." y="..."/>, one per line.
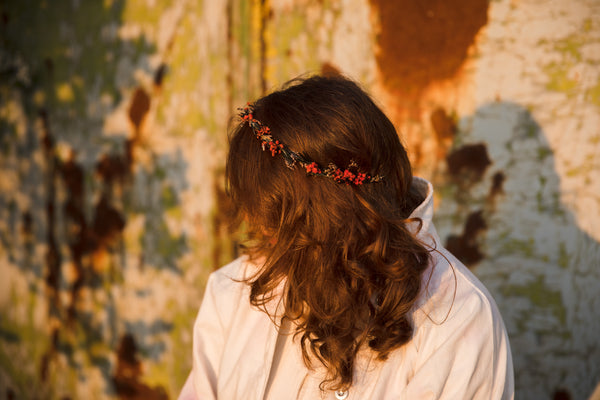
<point x="349" y="266"/>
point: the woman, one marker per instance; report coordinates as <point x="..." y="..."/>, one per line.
<point x="345" y="291"/>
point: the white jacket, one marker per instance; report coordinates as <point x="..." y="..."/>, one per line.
<point x="459" y="350"/>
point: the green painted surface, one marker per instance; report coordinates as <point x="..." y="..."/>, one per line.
<point x="541" y="296"/>
<point x="593" y="94"/>
<point x="559" y="78"/>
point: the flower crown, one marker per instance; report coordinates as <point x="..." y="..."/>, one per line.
<point x="350" y="175"/>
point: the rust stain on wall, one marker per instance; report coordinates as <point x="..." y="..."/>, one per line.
<point x="422" y="48"/>
<point x="443" y="125"/>
<point x="497" y="188"/>
<point x="140" y="105"/>
<point x="465" y="246"/>
<point x="81" y="238"/>
<point x="107" y="225"/>
<point x="129" y="371"/>
<point x="77" y="229"/>
<point x="328" y="69"/>
<point x="420" y="42"/>
<point x="114" y="168"/>
<point x="444" y="128"/>
<point x="159" y="77"/>
<point x="468" y="163"/>
<point x="88" y="243"/>
<point x="27" y="226"/>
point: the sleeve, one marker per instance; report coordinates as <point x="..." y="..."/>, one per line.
<point x="208" y="342"/>
<point x="465" y="357"/>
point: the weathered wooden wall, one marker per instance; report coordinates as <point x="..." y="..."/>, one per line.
<point x="113" y="119"/>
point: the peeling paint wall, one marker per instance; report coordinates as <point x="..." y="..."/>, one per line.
<point x="113" y="120"/>
<point x="510" y="138"/>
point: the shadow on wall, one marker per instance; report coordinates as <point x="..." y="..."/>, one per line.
<point x="526" y="246"/>
<point x="67" y="192"/>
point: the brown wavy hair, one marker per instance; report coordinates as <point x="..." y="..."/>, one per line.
<point x="350" y="268"/>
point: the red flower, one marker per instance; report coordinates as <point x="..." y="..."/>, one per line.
<point x="360" y="178"/>
<point x="348" y="176"/>
<point x="275" y="147"/>
<point x="338" y="175"/>
<point x="312" y="168"/>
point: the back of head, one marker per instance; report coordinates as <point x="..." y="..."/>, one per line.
<point x="337" y="246"/>
<point x="328" y="120"/>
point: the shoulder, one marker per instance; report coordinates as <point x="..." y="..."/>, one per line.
<point x="453" y="298"/>
<point x="227" y="293"/>
<point x="457" y="323"/>
<point x="232" y="276"/>
<point x="460" y="347"/>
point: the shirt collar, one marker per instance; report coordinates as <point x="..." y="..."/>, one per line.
<point x="424" y="211"/>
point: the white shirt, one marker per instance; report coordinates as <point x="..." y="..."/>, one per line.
<point x="459" y="349"/>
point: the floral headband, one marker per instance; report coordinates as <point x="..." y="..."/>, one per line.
<point x="350" y="175"/>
